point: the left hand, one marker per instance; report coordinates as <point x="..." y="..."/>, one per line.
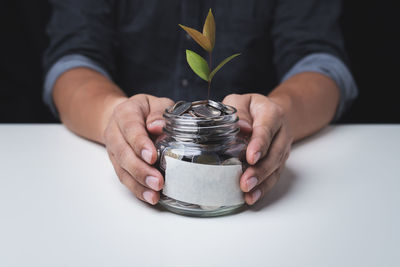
<point x="269" y="145"/>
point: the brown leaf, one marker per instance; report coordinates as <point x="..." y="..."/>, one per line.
<point x="202" y="40"/>
<point x="209" y="28"/>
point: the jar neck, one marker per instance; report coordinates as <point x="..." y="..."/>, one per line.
<point x="206" y="131"/>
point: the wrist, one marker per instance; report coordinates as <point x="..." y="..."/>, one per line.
<point x="110" y="103"/>
<point x="286" y="96"/>
<point x="309" y="101"/>
<point x="284" y="100"/>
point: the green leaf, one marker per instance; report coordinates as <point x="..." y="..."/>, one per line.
<point x="198" y="64"/>
<point x="202" y="40"/>
<point x="226" y="60"/>
<point x="209" y="28"/>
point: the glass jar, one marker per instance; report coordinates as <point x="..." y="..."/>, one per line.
<point x="202" y="159"/>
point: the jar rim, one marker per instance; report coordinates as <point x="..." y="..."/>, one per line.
<point x="203" y="129"/>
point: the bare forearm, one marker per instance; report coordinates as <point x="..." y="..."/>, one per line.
<point x="85" y="100"/>
<point x="309" y="100"/>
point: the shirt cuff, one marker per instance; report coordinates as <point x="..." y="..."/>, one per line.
<point x="62" y="65"/>
<point x="335" y="69"/>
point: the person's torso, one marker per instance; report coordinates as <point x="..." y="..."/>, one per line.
<point x="150" y="47"/>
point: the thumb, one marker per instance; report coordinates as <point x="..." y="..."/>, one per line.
<point x="155" y="121"/>
<point x="241" y="103"/>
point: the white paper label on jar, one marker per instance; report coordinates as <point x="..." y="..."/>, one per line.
<point x="201" y="184"/>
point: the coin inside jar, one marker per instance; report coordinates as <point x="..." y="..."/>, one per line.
<point x="206" y="111"/>
<point x="180" y="107"/>
<point x="170" y="153"/>
<point x="217" y="105"/>
<point x="210" y="159"/>
<point x="232" y="161"/>
<point x="201" y="109"/>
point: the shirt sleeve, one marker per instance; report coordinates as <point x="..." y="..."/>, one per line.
<point x="76" y="27"/>
<point x="62" y="65"/>
<point x="335" y="69"/>
<point x="307" y="37"/>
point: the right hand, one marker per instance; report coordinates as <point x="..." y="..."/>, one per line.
<point x="130" y="148"/>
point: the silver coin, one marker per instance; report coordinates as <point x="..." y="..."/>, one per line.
<point x="188" y="114"/>
<point x="175" y="105"/>
<point x="217" y="105"/>
<point x="232" y="161"/>
<point x="209" y="159"/>
<point x="206" y="111"/>
<point x="181" y="108"/>
<point x="200" y="102"/>
<point x="191" y="113"/>
<point x="170" y="153"/>
<point x="229" y="110"/>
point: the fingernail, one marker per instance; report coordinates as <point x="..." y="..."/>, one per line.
<point x="146" y="155"/>
<point x="157" y="123"/>
<point x="256" y="195"/>
<point x="153" y="182"/>
<point x="244" y="124"/>
<point x="251" y="183"/>
<point x="148" y="196"/>
<point x="257" y="157"/>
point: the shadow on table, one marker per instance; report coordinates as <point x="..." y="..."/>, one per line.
<point x="288" y="177"/>
<point x="312" y="138"/>
<point x="282" y="188"/>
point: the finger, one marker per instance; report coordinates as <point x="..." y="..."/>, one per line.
<point x="260" y="191"/>
<point x="277" y="155"/>
<point x="267" y="120"/>
<point x="241" y="103"/>
<point x="123" y="155"/>
<point x="130" y="117"/>
<point x="136" y="188"/>
<point x="155" y="120"/>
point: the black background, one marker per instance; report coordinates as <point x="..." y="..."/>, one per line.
<point x="371" y="32"/>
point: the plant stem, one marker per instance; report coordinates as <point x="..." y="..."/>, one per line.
<point x="209" y="82"/>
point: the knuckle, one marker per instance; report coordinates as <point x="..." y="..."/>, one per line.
<point x="119" y="109"/>
<point x="166" y="101"/>
<point x="280" y="156"/>
<point x="136" y="173"/>
<point x="122" y="177"/>
<point x="158" y="114"/>
<point x="138" y="142"/>
<point x="137" y="189"/>
<point x="262" y="172"/>
<point x="128" y="129"/>
<point x="123" y="156"/>
<point x="107" y="135"/>
<point x="134" y="170"/>
<point x="243" y="112"/>
<point x="138" y="96"/>
<point x="267" y="169"/>
<point x="266" y="131"/>
<point x="285" y="156"/>
<point x="231" y="97"/>
<point x="278" y="111"/>
<point x="131" y="131"/>
<point x="129" y="126"/>
<point x="274" y="179"/>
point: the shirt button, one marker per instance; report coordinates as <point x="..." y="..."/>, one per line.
<point x="184" y="82"/>
<point x="187" y="36"/>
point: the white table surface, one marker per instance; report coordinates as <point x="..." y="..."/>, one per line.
<point x="337" y="204"/>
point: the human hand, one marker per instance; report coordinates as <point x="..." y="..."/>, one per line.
<point x="269" y="145"/>
<point x="130" y="147"/>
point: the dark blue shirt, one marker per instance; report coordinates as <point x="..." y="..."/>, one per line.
<point x="138" y="44"/>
